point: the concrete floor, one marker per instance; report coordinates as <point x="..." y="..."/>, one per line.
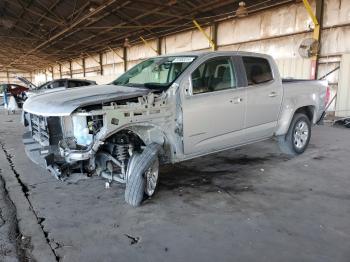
<point x="8" y="227"/>
<point x="250" y="204"/>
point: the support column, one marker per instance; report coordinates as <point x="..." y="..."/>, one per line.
<point x="159" y="45"/>
<point x="317" y="20"/>
<point x="125" y="58"/>
<point x="84" y="68"/>
<point x="101" y="65"/>
<point x="70" y="69"/>
<point x="60" y="69"/>
<point x="52" y="75"/>
<point x="319" y="17"/>
<point x="215" y="36"/>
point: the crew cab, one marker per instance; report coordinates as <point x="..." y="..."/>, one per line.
<point x="171" y="108"/>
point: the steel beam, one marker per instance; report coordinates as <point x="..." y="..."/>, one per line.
<point x="200" y="8"/>
<point x="319" y="17"/>
<point x="70" y="27"/>
<point x="148" y="44"/>
<point x="317" y="21"/>
<point x="211" y="42"/>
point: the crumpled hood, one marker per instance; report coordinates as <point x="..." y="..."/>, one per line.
<point x="63" y="103"/>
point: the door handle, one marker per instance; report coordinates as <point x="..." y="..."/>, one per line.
<point x="273" y="94"/>
<point x="236" y="100"/>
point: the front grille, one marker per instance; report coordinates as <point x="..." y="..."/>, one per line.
<point x="40" y="129"/>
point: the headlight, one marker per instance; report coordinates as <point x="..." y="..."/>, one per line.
<point x="81" y="131"/>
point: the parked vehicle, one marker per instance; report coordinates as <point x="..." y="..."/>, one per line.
<point x="55" y="85"/>
<point x="17" y="91"/>
<point x="343" y="121"/>
<point x="168" y="109"/>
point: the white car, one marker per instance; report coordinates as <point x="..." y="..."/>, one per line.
<point x="54" y="85"/>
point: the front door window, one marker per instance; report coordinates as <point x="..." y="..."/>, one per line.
<point x="214" y="75"/>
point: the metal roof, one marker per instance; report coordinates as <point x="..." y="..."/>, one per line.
<point x="37" y="33"/>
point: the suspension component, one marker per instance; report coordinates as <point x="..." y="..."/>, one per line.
<point x="122" y="152"/>
<point x="113" y="158"/>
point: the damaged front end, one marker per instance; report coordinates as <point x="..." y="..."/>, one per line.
<point x="99" y="139"/>
<point x="74" y="152"/>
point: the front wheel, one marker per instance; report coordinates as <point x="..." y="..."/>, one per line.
<point x="142" y="175"/>
<point x="298" y="137"/>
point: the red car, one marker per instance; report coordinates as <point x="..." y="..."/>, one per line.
<point x="17" y="91"/>
<point x="14" y="89"/>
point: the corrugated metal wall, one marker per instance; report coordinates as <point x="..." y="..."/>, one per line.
<point x="343" y="98"/>
<point x="335" y="42"/>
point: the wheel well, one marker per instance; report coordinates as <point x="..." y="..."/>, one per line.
<point x="132" y="136"/>
<point x="143" y="136"/>
<point x="307" y="110"/>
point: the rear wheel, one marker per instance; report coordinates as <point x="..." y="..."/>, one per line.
<point x="297" y="139"/>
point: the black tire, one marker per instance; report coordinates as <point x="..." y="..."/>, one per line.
<point x="347" y="122"/>
<point x="135" y="184"/>
<point x="286" y="143"/>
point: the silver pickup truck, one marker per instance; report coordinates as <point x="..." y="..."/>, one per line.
<point x="171" y="108"/>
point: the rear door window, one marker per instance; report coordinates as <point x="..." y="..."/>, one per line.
<point x="258" y="70"/>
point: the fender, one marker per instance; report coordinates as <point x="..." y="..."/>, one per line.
<point x="150" y="133"/>
<point x="287" y="115"/>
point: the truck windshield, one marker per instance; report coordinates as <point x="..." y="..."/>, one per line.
<point x="155" y="73"/>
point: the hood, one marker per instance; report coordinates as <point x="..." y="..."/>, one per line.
<point x="35" y="92"/>
<point x="63" y="103"/>
<point x="27" y="82"/>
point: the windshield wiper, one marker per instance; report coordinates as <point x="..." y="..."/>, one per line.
<point x="154" y="85"/>
<point x="126" y="84"/>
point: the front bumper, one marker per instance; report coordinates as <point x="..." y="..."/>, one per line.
<point x="71" y="155"/>
<point x="75" y="155"/>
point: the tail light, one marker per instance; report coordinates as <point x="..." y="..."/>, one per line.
<point x="328" y="96"/>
